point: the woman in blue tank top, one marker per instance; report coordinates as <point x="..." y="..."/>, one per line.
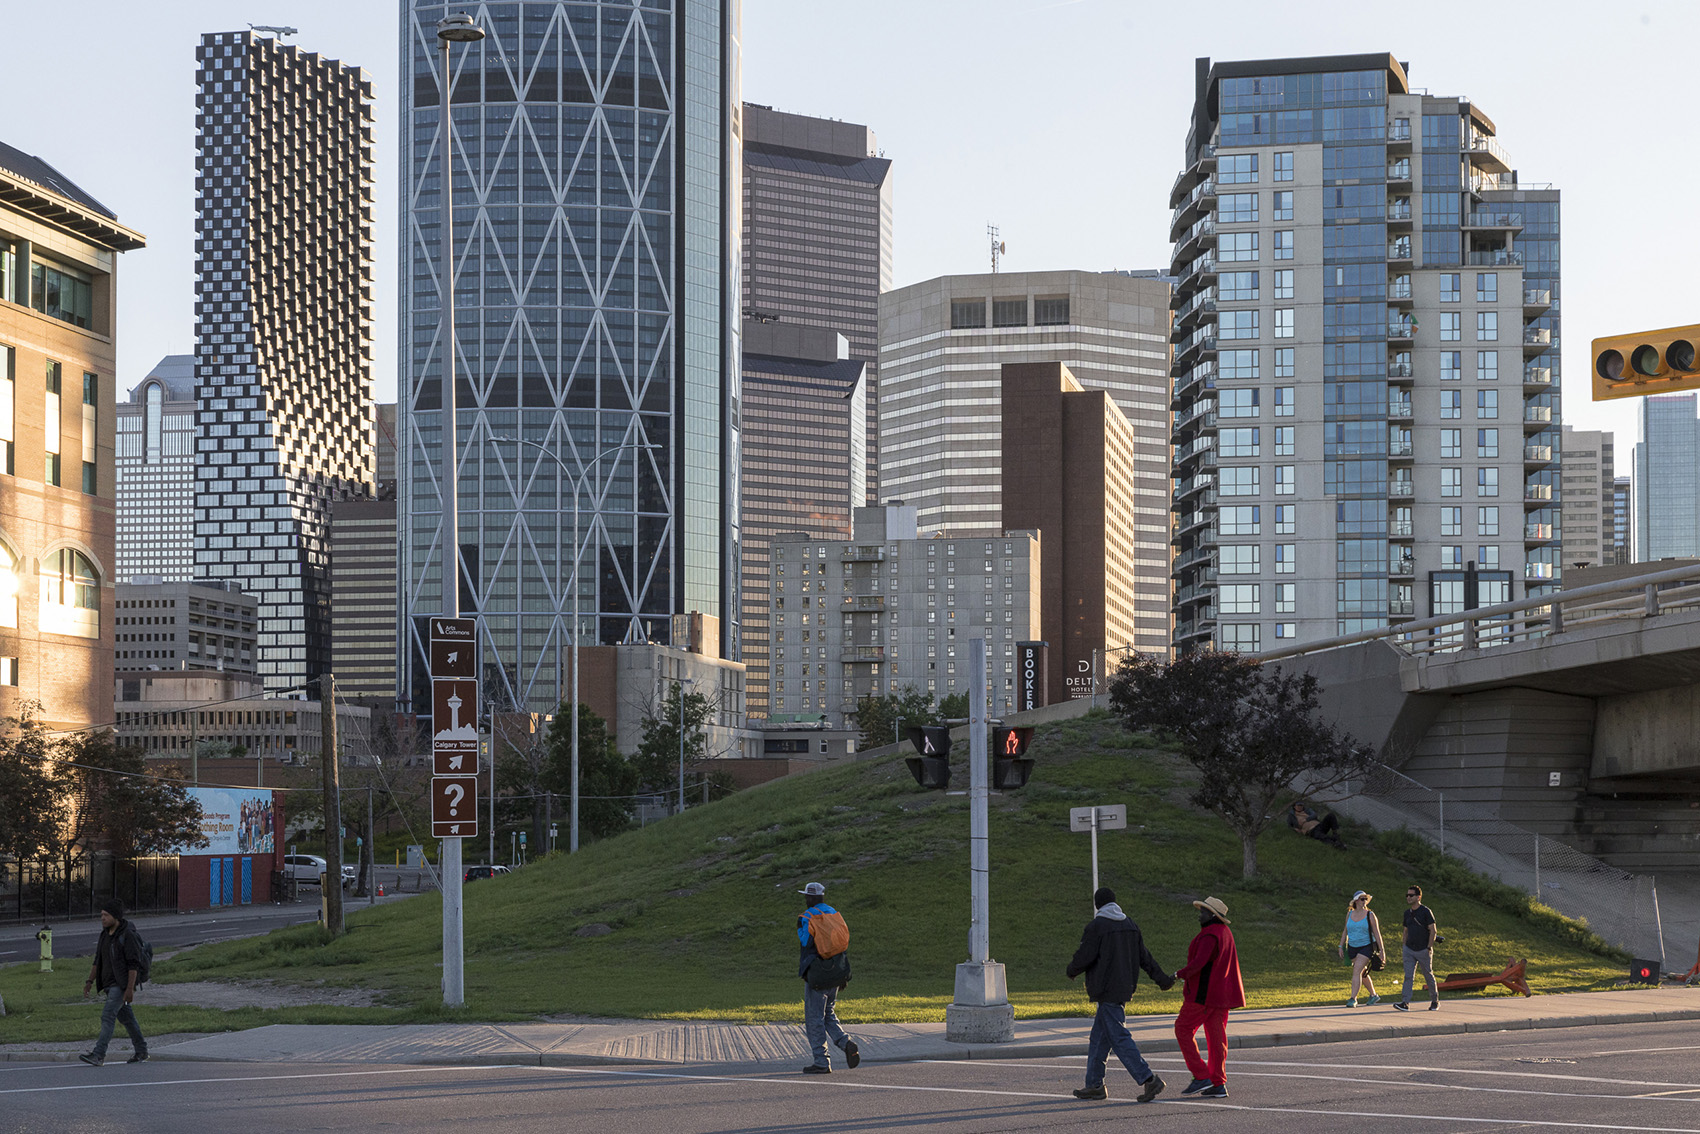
<point x="1360" y="941"/>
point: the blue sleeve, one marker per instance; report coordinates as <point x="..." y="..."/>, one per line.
<point x="803" y="930"/>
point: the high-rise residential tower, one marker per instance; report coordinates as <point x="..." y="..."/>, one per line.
<point x="156" y="474"/>
<point x="596" y="260"/>
<point x="59" y="251"/>
<point x="943" y="346"/>
<point x="818" y="234"/>
<point x="1667" y="479"/>
<point x="283" y="302"/>
<point x="1587" y="483"/>
<point x="1366" y="398"/>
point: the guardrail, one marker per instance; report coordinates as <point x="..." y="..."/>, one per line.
<point x="1626" y="600"/>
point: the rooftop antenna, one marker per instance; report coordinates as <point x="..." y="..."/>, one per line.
<point x="998" y="248"/>
<point x="279" y="32"/>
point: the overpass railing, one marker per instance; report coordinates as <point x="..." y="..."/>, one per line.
<point x="1625" y="600"/>
<point x="1622" y="908"/>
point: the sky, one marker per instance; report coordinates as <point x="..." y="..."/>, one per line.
<point x="1062" y="122"/>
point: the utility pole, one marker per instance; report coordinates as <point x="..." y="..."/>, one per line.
<point x="331" y="883"/>
<point x="371" y="853"/>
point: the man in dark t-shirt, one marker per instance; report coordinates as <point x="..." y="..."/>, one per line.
<point x="1420" y="932"/>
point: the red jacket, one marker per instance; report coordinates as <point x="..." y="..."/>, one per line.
<point x="1212" y="972"/>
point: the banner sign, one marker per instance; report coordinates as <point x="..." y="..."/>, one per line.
<point x="233" y="821"/>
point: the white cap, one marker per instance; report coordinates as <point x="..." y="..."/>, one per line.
<point x="813" y="890"/>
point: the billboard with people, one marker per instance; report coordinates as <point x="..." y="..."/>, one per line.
<point x="234" y="821"/>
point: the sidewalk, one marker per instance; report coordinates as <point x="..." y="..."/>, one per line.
<point x="666" y="1042"/>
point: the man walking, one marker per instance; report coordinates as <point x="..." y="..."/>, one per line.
<point x="1213" y="988"/>
<point x="1111" y="953"/>
<point x="825" y="969"/>
<point x="1421" y="931"/>
<point x="116" y="971"/>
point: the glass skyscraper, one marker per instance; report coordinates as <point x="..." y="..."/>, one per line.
<point x="1667" y="479"/>
<point x="1366" y="365"/>
<point x="596" y="262"/>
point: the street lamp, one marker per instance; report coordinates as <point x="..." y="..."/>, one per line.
<point x="578" y="488"/>
<point x="684" y="681"/>
<point x="458" y="28"/>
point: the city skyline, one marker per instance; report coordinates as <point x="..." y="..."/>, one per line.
<point x="996" y="170"/>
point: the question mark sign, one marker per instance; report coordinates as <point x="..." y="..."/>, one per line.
<point x="455" y="794"/>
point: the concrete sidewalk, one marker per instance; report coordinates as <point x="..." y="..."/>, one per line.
<point x="782" y="1045"/>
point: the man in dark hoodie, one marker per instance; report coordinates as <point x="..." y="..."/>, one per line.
<point x="116" y="971"/>
<point x="1111" y="953"/>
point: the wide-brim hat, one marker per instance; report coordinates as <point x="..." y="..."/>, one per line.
<point x="1364" y="894"/>
<point x="1216" y="906"/>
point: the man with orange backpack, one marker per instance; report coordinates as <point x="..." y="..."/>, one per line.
<point x="825" y="968"/>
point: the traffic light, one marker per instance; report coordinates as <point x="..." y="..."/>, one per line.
<point x="931" y="768"/>
<point x="1010" y="767"/>
<point x="1647" y="362"/>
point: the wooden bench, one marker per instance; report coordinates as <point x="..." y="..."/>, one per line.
<point x="1511" y="977"/>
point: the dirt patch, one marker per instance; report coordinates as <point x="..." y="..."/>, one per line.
<point x="225" y="995"/>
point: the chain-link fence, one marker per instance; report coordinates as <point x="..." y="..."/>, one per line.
<point x="1622" y="908"/>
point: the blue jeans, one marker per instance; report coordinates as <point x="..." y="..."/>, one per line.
<point x="1109" y="1033"/>
<point x="820" y="1021"/>
<point x="115" y="1011"/>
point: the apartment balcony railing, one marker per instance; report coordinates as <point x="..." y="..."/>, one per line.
<point x="1399" y="212"/>
<point x="1398" y="171"/>
<point x="1537" y="297"/>
<point x="1540" y="571"/>
<point x="1537" y="336"/>
<point x="1198" y="410"/>
<point x="1400" y="608"/>
<point x="1538" y="493"/>
<point x="1400" y="529"/>
<point x="1398" y="291"/>
<point x="1537" y="533"/>
<point x="1402" y="568"/>
<point x="1398" y="449"/>
<point x="1398" y="133"/>
<point x="1399" y="250"/>
<point x="1537" y="454"/>
<point x="1401" y="332"/>
<point x="862" y="654"/>
<point x="1401" y="489"/>
<point x="1398" y="407"/>
<point x="1537" y="415"/>
<point x="862" y="554"/>
<point x="1494" y="258"/>
<point x="1493" y="218"/>
<point x="1537" y="376"/>
<point x="1487" y="152"/>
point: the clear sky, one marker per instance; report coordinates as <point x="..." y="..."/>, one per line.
<point x="1060" y="121"/>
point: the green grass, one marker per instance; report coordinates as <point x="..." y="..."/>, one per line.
<point x="703" y="907"/>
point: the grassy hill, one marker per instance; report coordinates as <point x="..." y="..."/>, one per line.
<point x="695" y="916"/>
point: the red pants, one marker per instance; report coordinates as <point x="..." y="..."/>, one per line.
<point x="1215" y="1024"/>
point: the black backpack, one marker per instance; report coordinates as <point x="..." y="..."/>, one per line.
<point x="145" y="951"/>
<point x="829" y="972"/>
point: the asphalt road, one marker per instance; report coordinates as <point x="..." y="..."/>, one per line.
<point x="1619" y="1078"/>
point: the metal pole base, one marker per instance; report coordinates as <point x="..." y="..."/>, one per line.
<point x="981" y="1011"/>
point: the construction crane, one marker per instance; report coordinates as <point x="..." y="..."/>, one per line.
<point x="279" y="32"/>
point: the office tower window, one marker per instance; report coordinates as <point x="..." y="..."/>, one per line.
<point x="1237" y="169"/>
<point x="967" y="313"/>
<point x="1452" y="443"/>
<point x="1284" y="244"/>
<point x="1234" y="247"/>
<point x="1487" y="366"/>
<point x="1487" y="403"/>
<point x="1238" y="325"/>
<point x="1050" y="312"/>
<point x="1487" y="482"/>
<point x="1451" y="365"/>
<point x="1284" y="322"/>
<point x="1487" y="326"/>
<point x="1284" y="283"/>
<point x="1236" y="365"/>
<point x="1284" y="166"/>
<point x="1283" y="205"/>
<point x="1009" y="312"/>
<point x="1449" y="287"/>
<point x="60" y="291"/>
<point x="1236" y="208"/>
<point x="1451" y="404"/>
<point x="1487" y="287"/>
<point x="1451" y="326"/>
<point x="1238" y="287"/>
<point x="1451" y="521"/>
<point x="1487" y="443"/>
<point x="1487" y="520"/>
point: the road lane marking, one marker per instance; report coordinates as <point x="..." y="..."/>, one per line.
<point x="1646" y="1050"/>
<point x="128" y="1084"/>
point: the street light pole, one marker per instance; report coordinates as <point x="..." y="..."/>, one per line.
<point x="460" y="28"/>
<point x="577" y="480"/>
<point x="680" y="686"/>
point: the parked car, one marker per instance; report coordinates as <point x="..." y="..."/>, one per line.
<point x="474" y="873"/>
<point x="306" y="868"/>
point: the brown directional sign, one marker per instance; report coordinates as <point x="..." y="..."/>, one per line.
<point x="454" y="807"/>
<point x="454" y="726"/>
<point x="454" y="647"/>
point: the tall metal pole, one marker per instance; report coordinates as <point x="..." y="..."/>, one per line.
<point x="979" y="938"/>
<point x="330" y="887"/>
<point x="680" y="687"/>
<point x="371" y="853"/>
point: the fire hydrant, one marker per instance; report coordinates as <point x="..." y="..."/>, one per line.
<point x="46" y="939"/>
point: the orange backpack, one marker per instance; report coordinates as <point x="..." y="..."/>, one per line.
<point x="831" y="936"/>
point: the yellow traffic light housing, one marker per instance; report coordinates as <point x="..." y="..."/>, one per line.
<point x="1647" y="362"/>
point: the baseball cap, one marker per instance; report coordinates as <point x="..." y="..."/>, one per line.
<point x="813" y="890"/>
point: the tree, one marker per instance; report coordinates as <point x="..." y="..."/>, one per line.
<point x="1251" y="730"/>
<point x="26" y="784"/>
<point x="657" y="757"/>
<point x="954" y="707"/>
<point x="607" y="782"/>
<point x="134" y="811"/>
<point x="878" y="718"/>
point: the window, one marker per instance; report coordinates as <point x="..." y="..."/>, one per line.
<point x="1284" y="440"/>
<point x="51" y="473"/>
<point x="1238" y="325"/>
<point x="61" y="292"/>
<point x="1284" y="401"/>
<point x="1451" y="482"/>
<point x="1451" y="556"/>
<point x="1284" y="362"/>
<point x="1240" y="481"/>
<point x="1239" y="519"/>
<point x="1238" y="287"/>
<point x="1050" y="312"/>
<point x="1240" y="559"/>
<point x="1452" y="443"/>
<point x="1451" y="326"/>
<point x="1284" y="283"/>
<point x="1236" y="403"/>
<point x="1009" y="312"/>
<point x="1239" y="598"/>
<point x="1241" y="639"/>
<point x="1487" y="366"/>
<point x="1283" y="205"/>
<point x="1286" y="630"/>
<point x="1238" y="442"/>
<point x="1451" y="365"/>
<point x="1487" y="403"/>
<point x="1234" y="247"/>
<point x="1237" y="208"/>
<point x="1487" y="287"/>
<point x="967" y="313"/>
<point x="1487" y="326"/>
<point x="1449" y="287"/>
<point x="8" y="404"/>
<point x="1286" y="519"/>
<point x="1237" y="364"/>
<point x="1284" y="244"/>
<point x="1451" y="404"/>
<point x="1284" y="322"/>
<point x="1284" y="480"/>
<point x="1286" y="598"/>
<point x="1286" y="558"/>
<point x="1452" y="521"/>
<point x="70" y="594"/>
<point x="1487" y="520"/>
<point x="1487" y="443"/>
<point x="10" y="585"/>
<point x="1283" y="167"/>
<point x="1487" y="558"/>
<point x="1237" y="169"/>
<point x="1487" y="482"/>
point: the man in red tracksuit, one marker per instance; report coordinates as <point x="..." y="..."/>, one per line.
<point x="1212" y="976"/>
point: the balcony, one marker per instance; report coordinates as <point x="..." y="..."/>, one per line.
<point x="1537" y="415"/>
<point x="1537" y="454"/>
<point x="1401" y="332"/>
<point x="1399" y="450"/>
<point x="1537" y="337"/>
<point x="1399" y="250"/>
<point x="1202" y="340"/>
<point x="1537" y="376"/>
<point x="1191" y="382"/>
<point x="1402" y="567"/>
<point x="1540" y="571"/>
<point x="1192" y="449"/>
<point x="1494" y="258"/>
<point x="1399" y="135"/>
<point x="1399" y="529"/>
<point x="1537" y="533"/>
<point x="1485" y="153"/>
<point x="1196" y="592"/>
<point x="1399" y="371"/>
<point x="864" y="602"/>
<point x="1537" y="494"/>
<point x="1200" y="199"/>
<point x="1194" y="556"/>
<point x="1401" y="489"/>
<point x="854" y="654"/>
<point x="1201" y="235"/>
<point x="1401" y="608"/>
<point x="1399" y="291"/>
<point x="1398" y="407"/>
<point x="862" y="554"/>
<point x="1489" y="183"/>
<point x="1204" y="300"/>
<point x="1399" y="172"/>
<point x="1399" y="213"/>
<point x="1186" y="185"/>
<point x="1194" y="484"/>
<point x="1495" y="220"/>
<point x="1536" y="300"/>
<point x="1199" y="272"/>
<point x="1200" y="409"/>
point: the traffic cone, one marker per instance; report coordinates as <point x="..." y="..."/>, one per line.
<point x="380" y="889"/>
